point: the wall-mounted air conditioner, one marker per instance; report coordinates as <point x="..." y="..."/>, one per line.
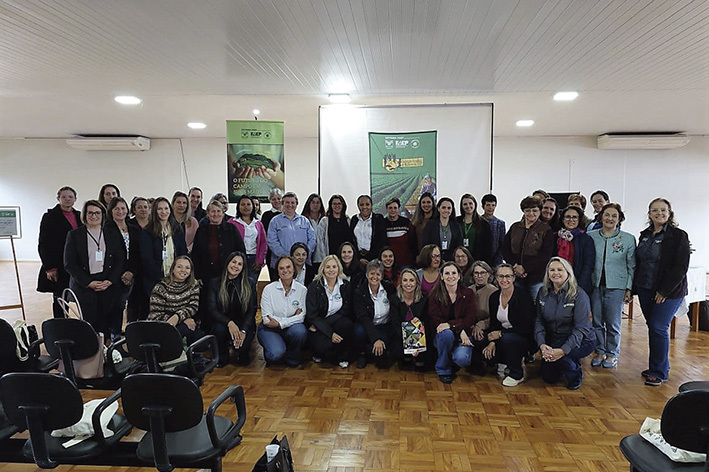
<point x="110" y="143"/>
<point x="642" y="140"/>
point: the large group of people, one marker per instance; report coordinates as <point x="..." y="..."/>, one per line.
<point x="341" y="287"/>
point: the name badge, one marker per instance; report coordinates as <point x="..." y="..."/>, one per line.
<point x="444" y="245"/>
<point x="164" y="255"/>
<point x="466" y="242"/>
<point x="99" y="256"/>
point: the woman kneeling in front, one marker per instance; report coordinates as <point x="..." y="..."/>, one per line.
<point x="451" y="308"/>
<point x="282" y="332"/>
<point x="563" y="328"/>
<point x="511" y="326"/>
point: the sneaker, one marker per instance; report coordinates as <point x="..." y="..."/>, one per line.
<point x="501" y="370"/>
<point x="361" y="362"/>
<point x="317" y="359"/>
<point x="610" y="362"/>
<point x="344" y="364"/>
<point x="510" y="382"/>
<point x="446" y="379"/>
<point x="597" y="360"/>
<point x="645" y="373"/>
<point x="653" y="381"/>
<point x="574" y="384"/>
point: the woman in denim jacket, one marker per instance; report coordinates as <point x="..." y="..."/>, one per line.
<point x="612" y="280"/>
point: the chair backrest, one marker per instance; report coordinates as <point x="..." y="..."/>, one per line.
<point x="81" y="335"/>
<point x="685" y="421"/>
<point x="153" y="341"/>
<point x="8" y="344"/>
<point x="177" y="395"/>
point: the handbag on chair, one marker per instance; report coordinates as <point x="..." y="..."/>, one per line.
<point x="92" y="367"/>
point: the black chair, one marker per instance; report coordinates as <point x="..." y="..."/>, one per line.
<point x="155" y="342"/>
<point x="44" y="402"/>
<point x="684" y="424"/>
<point x="71" y="339"/>
<point x="694" y="385"/>
<point x="8" y="356"/>
<point x="170" y="408"/>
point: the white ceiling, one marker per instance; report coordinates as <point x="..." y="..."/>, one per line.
<point x="638" y="65"/>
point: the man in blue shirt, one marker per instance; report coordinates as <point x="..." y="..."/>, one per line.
<point x="497" y="226"/>
<point x="289" y="228"/>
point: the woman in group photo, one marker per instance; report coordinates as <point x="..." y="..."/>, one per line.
<point x="573" y="244"/>
<point x="231" y="305"/>
<point x="333" y="229"/>
<point x="329" y="314"/>
<point x="477" y="235"/>
<point x="283" y="309"/>
<point x="444" y="231"/>
<point x="391" y="268"/>
<point x="612" y="279"/>
<point x="175" y="299"/>
<point x="369" y="230"/>
<point x="509" y="336"/>
<point x="94" y="260"/>
<point x="351" y="268"/>
<point x="429" y="261"/>
<point x="56" y="223"/>
<point x="107" y="193"/>
<point x="253" y="234"/>
<point x="563" y="328"/>
<point x="401" y="235"/>
<point x="662" y="262"/>
<point x="183" y="216"/>
<point x="304" y="272"/>
<point x="425" y="210"/>
<point x="414" y="308"/>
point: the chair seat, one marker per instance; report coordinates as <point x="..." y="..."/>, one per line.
<point x="46" y="363"/>
<point x="695" y="385"/>
<point x="87" y="448"/>
<point x="645" y="457"/>
<point x="190" y="445"/>
<point x="8" y="431"/>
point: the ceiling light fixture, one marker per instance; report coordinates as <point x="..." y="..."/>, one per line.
<point x="196" y="125"/>
<point x="565" y="96"/>
<point x="525" y="123"/>
<point x="256" y="111"/>
<point x="339" y="98"/>
<point x="128" y="100"/>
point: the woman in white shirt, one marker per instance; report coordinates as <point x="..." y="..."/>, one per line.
<point x="282" y="332"/>
<point x="328" y="307"/>
<point x="253" y="234"/>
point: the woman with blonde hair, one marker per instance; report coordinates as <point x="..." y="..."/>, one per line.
<point x="328" y="313"/>
<point x="563" y="328"/>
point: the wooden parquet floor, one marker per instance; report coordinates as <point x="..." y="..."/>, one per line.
<point x="370" y="420"/>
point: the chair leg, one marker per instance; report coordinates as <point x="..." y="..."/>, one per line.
<point x="217" y="466"/>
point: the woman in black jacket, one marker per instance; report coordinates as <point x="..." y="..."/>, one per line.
<point x="444" y="231"/>
<point x="369" y="230"/>
<point x="232" y="308"/>
<point x="328" y="313"/>
<point x="376" y="308"/>
<point x="161" y="242"/>
<point x="414" y="308"/>
<point x="56" y="224"/>
<point x="511" y="326"/>
<point x="214" y="241"/>
<point x="130" y="234"/>
<point x="477" y="235"/>
<point x="662" y="261"/>
<point x="94" y="259"/>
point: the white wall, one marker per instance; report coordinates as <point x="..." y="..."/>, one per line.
<point x="32" y="171"/>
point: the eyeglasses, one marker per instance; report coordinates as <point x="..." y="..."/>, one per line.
<point x="93" y="213"/>
<point x="435" y="256"/>
<point x="571" y="217"/>
<point x="480" y="274"/>
<point x="505" y="276"/>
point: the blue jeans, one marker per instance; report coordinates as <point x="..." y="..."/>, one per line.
<point x="448" y="345"/>
<point x="658" y="317"/>
<point x="569" y="365"/>
<point x="607" y="307"/>
<point x="281" y="343"/>
<point x="510" y="350"/>
<point x="253" y="275"/>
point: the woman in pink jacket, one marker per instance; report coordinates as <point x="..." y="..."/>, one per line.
<point x="253" y="234"/>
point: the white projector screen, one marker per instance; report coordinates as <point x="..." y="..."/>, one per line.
<point x="464" y="146"/>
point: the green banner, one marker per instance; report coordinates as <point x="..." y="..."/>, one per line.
<point x="401" y="165"/>
<point x="255" y="162"/>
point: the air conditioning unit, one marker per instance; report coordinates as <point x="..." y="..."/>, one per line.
<point x="110" y="143"/>
<point x="642" y="140"/>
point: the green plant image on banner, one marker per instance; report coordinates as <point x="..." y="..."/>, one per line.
<point x="255" y="162"/>
<point x="401" y="165"/>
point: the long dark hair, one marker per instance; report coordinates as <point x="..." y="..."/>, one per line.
<point x="476" y="215"/>
<point x="419" y="214"/>
<point x="306" y="207"/>
<point x="337" y="196"/>
<point x="238" y="207"/>
<point x="154" y="227"/>
<point x="242" y="284"/>
<point x="103" y="189"/>
<point x="439" y="292"/>
<point x="114" y="203"/>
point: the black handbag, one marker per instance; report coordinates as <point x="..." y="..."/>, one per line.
<point x="282" y="462"/>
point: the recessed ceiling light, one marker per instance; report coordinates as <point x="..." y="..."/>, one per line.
<point x="525" y="123"/>
<point x="196" y="125"/>
<point x="256" y="111"/>
<point x="565" y="96"/>
<point x="339" y="98"/>
<point x="128" y="100"/>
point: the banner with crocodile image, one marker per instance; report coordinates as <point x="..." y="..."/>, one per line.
<point x="401" y="165"/>
<point x="255" y="161"/>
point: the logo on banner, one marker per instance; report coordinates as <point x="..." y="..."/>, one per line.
<point x="250" y="133"/>
<point x="390" y="162"/>
<point x="400" y="142"/>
